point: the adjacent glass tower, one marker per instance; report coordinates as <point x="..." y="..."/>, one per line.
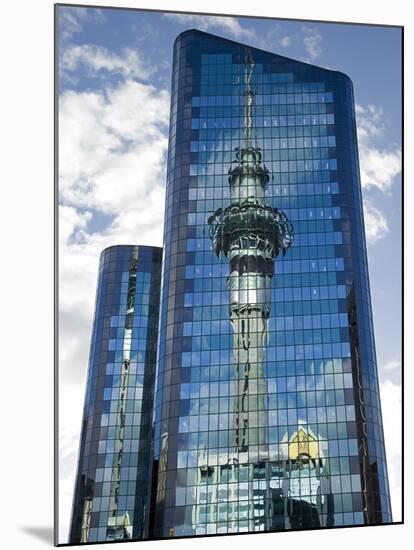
<point x="111" y="500"/>
<point x="267" y="412"/>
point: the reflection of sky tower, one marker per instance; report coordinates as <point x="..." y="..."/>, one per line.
<point x="250" y="233"/>
<point x="118" y="525"/>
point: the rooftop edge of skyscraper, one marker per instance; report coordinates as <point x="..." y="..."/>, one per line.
<point x="139" y="246"/>
<point x="193" y="31"/>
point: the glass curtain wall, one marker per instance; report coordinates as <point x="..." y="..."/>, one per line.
<point x="317" y="458"/>
<point x="112" y="486"/>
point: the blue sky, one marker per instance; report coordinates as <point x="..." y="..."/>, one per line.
<point x="115" y="70"/>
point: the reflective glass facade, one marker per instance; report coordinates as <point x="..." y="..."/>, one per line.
<point x="267" y="412"/>
<point x="111" y="500"/>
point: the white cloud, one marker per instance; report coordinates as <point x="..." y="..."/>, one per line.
<point x="312" y="41"/>
<point x="285" y="41"/>
<point x="110" y="137"/>
<point x="391" y="371"/>
<point x="112" y="152"/>
<point x="393" y="365"/>
<point x="210" y="22"/>
<point x="274" y="39"/>
<point x="73" y="19"/>
<point x="376" y="226"/>
<point x="379" y="165"/>
<point x="70" y="22"/>
<point x="97" y="60"/>
<point x="71" y="222"/>
<point x="391" y="414"/>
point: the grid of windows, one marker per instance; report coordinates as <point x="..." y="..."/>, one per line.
<point x="323" y="461"/>
<point x="111" y="493"/>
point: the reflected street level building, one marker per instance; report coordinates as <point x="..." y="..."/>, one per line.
<point x="111" y="500"/>
<point x="267" y="412"/>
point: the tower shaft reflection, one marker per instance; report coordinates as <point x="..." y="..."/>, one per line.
<point x="250" y="234"/>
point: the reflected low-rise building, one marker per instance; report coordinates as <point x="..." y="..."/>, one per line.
<point x="290" y="491"/>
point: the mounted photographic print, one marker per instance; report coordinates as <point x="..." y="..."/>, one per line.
<point x="224" y="184"/>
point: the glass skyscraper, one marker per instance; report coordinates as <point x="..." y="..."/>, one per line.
<point x="112" y="486"/>
<point x="267" y="412"/>
<point x="265" y="399"/>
